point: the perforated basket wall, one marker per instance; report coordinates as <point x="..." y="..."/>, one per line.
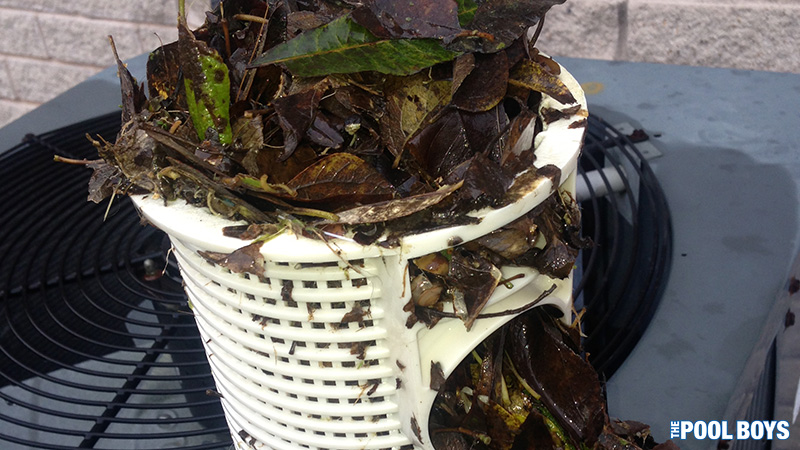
<point x="293" y="370"/>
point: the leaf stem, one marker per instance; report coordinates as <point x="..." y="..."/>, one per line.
<point x="182" y="10"/>
<point x="77" y="162"/>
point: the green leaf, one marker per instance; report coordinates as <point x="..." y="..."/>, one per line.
<point x="343" y="46"/>
<point x="207" y="84"/>
<point x="466" y="11"/>
<point x="208" y="98"/>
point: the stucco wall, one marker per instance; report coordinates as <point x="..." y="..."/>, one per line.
<point x="742" y="34"/>
<point x="48" y="46"/>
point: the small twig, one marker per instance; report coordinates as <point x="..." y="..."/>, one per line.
<point x="251" y="18"/>
<point x="110" y="202"/>
<point x="538" y="31"/>
<point x="77" y="162"/>
<point x="247" y="80"/>
<point x="507" y="282"/>
<point x="225" y="30"/>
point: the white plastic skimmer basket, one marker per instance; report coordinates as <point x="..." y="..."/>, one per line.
<point x="292" y="374"/>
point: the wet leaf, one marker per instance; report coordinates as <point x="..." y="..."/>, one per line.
<point x="503" y="426"/>
<point x="267" y="162"/>
<point x="485" y="85"/>
<point x="557" y="218"/>
<point x="103" y="181"/>
<point x="163" y="74"/>
<point x="466" y="11"/>
<point x="536" y="77"/>
<point x="295" y="115"/>
<point x="207" y="84"/>
<point x="506" y="20"/>
<point x="437" y="263"/>
<point x="324" y="133"/>
<point x="485" y="130"/>
<point x="409" y="19"/>
<point x="568" y="385"/>
<point x="462" y="67"/>
<point x="485" y="183"/>
<point x="518" y="152"/>
<point x="442" y="145"/>
<point x="411" y="103"/>
<point x="338" y="178"/>
<point x="534" y="433"/>
<point x="424" y="292"/>
<point x="476" y="278"/>
<point x="451" y="440"/>
<point x="248" y="133"/>
<point x="509" y="243"/>
<point x="344" y="46"/>
<point x="247" y="259"/>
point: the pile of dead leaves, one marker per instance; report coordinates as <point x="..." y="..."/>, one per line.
<point x="339" y="115"/>
<point x="366" y="119"/>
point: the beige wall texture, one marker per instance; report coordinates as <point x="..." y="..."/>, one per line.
<point x="48" y="46"/>
<point x="742" y="34"/>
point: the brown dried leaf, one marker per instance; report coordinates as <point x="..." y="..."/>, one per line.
<point x="442" y="145"/>
<point x="477" y="278"/>
<point x="295" y="115"/>
<point x="339" y="178"/>
<point x="438" y="379"/>
<point x="485" y="85"/>
<point x="407" y="19"/>
<point x="568" y="385"/>
<point x="247" y="259"/>
<point x="537" y="77"/>
<point x="103" y="181"/>
<point x="411" y="104"/>
<point x="507" y="20"/>
<point x="397" y="208"/>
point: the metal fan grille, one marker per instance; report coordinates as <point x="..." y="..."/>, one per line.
<point x="625" y="272"/>
<point x="98" y="348"/>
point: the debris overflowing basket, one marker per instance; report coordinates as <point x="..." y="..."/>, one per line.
<point x="357" y="195"/>
<point x="315" y="351"/>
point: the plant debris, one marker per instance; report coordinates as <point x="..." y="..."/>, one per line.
<point x="331" y="113"/>
<point x="528" y="387"/>
<point x="372" y="120"/>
